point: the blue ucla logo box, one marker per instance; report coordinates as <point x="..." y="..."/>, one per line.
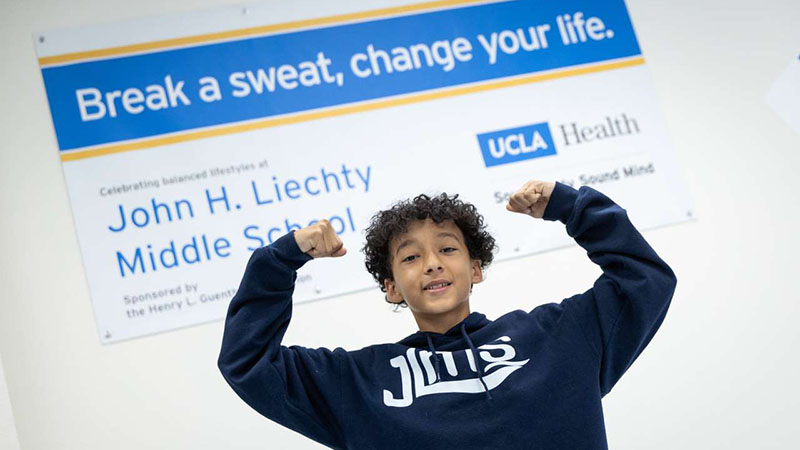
<point x="516" y="144"/>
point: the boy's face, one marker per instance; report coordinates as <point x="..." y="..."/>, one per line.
<point x="432" y="269"/>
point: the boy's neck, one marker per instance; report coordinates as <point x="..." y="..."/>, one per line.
<point x="440" y="323"/>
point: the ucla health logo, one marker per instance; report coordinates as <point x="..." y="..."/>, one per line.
<point x="516" y="144"/>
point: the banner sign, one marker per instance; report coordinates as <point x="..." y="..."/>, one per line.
<point x="184" y="153"/>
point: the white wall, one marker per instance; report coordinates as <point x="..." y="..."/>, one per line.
<point x="721" y="373"/>
<point x="8" y="433"/>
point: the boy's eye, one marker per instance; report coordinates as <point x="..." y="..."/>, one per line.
<point x="448" y="249"/>
<point x="409" y="258"/>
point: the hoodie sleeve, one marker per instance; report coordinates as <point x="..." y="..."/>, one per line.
<point x="294" y="386"/>
<point x="628" y="302"/>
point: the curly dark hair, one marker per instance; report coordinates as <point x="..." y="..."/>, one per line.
<point x="387" y="224"/>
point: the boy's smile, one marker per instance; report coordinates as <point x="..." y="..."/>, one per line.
<point x="433" y="273"/>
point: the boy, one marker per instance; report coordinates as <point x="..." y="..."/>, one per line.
<point x="531" y="380"/>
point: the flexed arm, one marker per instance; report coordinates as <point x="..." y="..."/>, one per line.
<point x="294" y="386"/>
<point x="628" y="302"/>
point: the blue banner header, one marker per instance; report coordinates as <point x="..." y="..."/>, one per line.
<point x="168" y="91"/>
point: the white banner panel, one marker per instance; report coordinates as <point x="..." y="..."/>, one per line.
<point x="184" y="153"/>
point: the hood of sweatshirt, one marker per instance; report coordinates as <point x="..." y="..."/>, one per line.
<point x="422" y="339"/>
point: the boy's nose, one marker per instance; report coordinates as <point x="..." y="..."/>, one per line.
<point x="433" y="268"/>
<point x="432" y="264"/>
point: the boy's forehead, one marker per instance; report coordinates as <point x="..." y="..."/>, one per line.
<point x="418" y="229"/>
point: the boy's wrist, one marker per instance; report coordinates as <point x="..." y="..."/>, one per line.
<point x="561" y="203"/>
<point x="288" y="252"/>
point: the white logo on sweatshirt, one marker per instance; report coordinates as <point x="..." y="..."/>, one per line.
<point x="410" y="368"/>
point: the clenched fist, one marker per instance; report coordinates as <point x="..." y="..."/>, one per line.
<point x="320" y="240"/>
<point x="531" y="198"/>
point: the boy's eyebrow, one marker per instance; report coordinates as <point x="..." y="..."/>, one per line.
<point x="408" y="242"/>
<point x="448" y="234"/>
<point x="405" y="243"/>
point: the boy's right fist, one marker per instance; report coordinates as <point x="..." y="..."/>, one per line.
<point x="532" y="198"/>
<point x="320" y="240"/>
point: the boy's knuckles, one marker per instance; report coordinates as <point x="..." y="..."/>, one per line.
<point x="518" y="203"/>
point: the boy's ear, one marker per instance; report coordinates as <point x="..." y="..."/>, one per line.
<point x="477" y="271"/>
<point x="391" y="291"/>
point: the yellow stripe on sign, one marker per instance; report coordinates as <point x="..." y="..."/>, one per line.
<point x="342" y="110"/>
<point x="244" y="32"/>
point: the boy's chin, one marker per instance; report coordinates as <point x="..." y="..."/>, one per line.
<point x="440" y="305"/>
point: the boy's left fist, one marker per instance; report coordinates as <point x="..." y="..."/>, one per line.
<point x="531" y="198"/>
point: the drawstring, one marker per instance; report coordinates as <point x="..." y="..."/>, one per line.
<point x="435" y="356"/>
<point x="475" y="357"/>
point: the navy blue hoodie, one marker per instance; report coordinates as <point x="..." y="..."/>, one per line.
<point x="528" y="380"/>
